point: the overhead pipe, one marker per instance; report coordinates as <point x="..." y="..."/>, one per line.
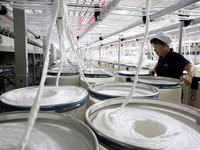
<point x="156" y="15"/>
<point x="175" y="32"/>
<point x="85" y="5"/>
<point x="33" y="33"/>
<point x="29" y="30"/>
<point x="172" y="8"/>
<point x="167" y="28"/>
<point x="189" y="34"/>
<point x="99" y="18"/>
<point x="195" y="21"/>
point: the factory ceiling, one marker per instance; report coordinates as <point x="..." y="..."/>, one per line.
<point x="96" y="22"/>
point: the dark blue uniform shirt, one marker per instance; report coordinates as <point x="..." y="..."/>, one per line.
<point x="172" y="65"/>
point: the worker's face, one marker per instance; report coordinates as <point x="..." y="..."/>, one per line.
<point x="159" y="49"/>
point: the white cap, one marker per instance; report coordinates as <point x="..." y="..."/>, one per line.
<point x="164" y="37"/>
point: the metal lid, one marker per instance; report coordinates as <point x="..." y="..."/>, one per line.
<point x="65" y="71"/>
<point x="160" y="81"/>
<point x="53" y="97"/>
<point x="51" y="131"/>
<point x="118" y="89"/>
<point x="131" y="65"/>
<point x="135" y="65"/>
<point x="132" y="73"/>
<point x="95" y="73"/>
<point x="185" y="116"/>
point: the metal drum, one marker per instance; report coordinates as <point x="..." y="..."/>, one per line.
<point x="102" y="64"/>
<point x="51" y="131"/>
<point x="106" y="64"/>
<point x="104" y="91"/>
<point x="131" y="67"/>
<point x="95" y="73"/>
<point x="123" y="67"/>
<point x="170" y="88"/>
<point x="111" y="66"/>
<point x="63" y="80"/>
<point x="115" y="66"/>
<point x="192" y="93"/>
<point x="64" y="72"/>
<point x="126" y="75"/>
<point x="68" y="76"/>
<point x="95" y="76"/>
<point x="69" y="100"/>
<point x="145" y="124"/>
<point x="134" y="66"/>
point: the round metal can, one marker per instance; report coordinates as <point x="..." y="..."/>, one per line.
<point x="95" y="76"/>
<point x="68" y="76"/>
<point x="145" y="124"/>
<point x="127" y="75"/>
<point x="66" y="71"/>
<point x="108" y="90"/>
<point x="52" y="131"/>
<point x="70" y="100"/>
<point x="170" y="88"/>
<point x="63" y="80"/>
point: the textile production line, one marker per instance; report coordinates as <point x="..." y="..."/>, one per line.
<point x="84" y="66"/>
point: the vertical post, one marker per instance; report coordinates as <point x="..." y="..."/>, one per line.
<point x="44" y="50"/>
<point x="195" y="59"/>
<point x="34" y="72"/>
<point x="41" y="64"/>
<point x="20" y="45"/>
<point x="119" y="54"/>
<point x="90" y="52"/>
<point x="180" y="36"/>
<point x="99" y="55"/>
<point x="90" y="55"/>
<point x="92" y="59"/>
<point x="51" y="59"/>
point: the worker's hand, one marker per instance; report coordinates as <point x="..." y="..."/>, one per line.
<point x="152" y="72"/>
<point x="187" y="79"/>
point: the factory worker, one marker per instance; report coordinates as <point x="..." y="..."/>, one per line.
<point x="170" y="63"/>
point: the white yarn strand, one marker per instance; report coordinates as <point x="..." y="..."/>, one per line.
<point x="35" y="106"/>
<point x="74" y="51"/>
<point x="129" y="96"/>
<point x="60" y="26"/>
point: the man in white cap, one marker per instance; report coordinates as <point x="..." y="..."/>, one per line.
<point x="170" y="63"/>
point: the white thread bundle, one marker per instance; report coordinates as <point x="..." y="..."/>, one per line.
<point x="148" y="128"/>
<point x="51" y="96"/>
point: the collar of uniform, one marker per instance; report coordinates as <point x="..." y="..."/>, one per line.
<point x="169" y="53"/>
